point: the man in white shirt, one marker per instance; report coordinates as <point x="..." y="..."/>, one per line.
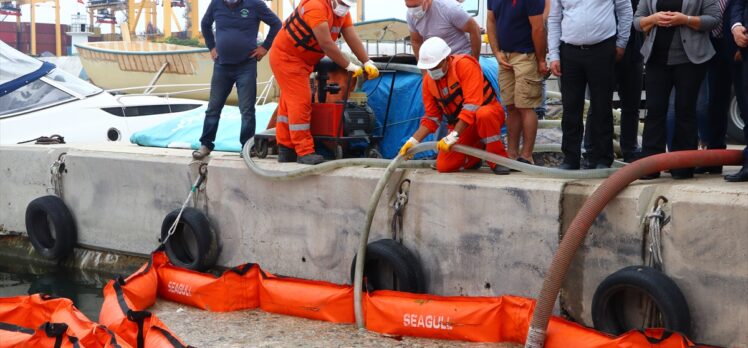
<point x="445" y="19"/>
<point x="585" y="39"/>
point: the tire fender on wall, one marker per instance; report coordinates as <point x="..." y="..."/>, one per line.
<point x="51" y="227"/>
<point x="406" y="268"/>
<point x="194" y="244"/>
<point x="607" y="302"/>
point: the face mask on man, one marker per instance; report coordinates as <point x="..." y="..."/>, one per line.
<point x="437" y="74"/>
<point x="416" y="12"/>
<point x="340" y="10"/>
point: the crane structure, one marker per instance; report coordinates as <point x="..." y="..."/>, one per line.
<point x="277" y="7"/>
<point x="104" y="12"/>
<point x="147" y="11"/>
<point x="13" y="8"/>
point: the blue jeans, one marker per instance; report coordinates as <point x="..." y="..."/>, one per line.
<point x="543" y="108"/>
<point x="244" y="75"/>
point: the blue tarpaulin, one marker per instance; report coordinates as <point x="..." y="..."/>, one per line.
<point x="405" y="112"/>
<point x="185" y="131"/>
<point x="406" y="106"/>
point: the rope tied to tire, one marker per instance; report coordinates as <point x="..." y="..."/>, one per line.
<point x="399" y="206"/>
<point x="56" y="170"/>
<point x="202" y="174"/>
<point x="657" y="220"/>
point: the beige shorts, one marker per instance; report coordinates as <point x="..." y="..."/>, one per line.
<point x="522" y="85"/>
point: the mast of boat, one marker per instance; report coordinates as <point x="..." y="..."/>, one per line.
<point x="167" y="18"/>
<point x="277" y="7"/>
<point x="360" y="10"/>
<point x="194" y="19"/>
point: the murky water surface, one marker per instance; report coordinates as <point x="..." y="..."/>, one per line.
<point x="83" y="287"/>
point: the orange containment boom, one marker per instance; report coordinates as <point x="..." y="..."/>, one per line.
<point x="125" y="304"/>
<point x="125" y="321"/>
<point x="44" y="321"/>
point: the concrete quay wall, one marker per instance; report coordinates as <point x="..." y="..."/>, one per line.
<point x="475" y="233"/>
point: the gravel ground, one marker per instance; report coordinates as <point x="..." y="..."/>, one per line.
<point x="255" y="328"/>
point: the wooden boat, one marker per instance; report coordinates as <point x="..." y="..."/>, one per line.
<point x="120" y="65"/>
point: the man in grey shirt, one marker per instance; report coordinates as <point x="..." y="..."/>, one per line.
<point x="585" y="39"/>
<point x="445" y="19"/>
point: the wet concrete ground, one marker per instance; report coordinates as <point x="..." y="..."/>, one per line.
<point x="255" y="328"/>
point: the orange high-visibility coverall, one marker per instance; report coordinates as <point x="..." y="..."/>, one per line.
<point x="464" y="94"/>
<point x="293" y="56"/>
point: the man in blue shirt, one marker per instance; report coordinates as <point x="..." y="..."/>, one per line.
<point x="236" y="53"/>
<point x="518" y="40"/>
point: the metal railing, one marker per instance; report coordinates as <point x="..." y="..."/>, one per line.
<point x="379" y="48"/>
<point x="265" y="87"/>
<point x="382" y="48"/>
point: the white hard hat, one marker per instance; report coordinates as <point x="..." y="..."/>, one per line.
<point x="432" y="52"/>
<point x="348" y="3"/>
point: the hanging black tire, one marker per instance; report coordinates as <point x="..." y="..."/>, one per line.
<point x="51" y="227"/>
<point x="194" y="244"/>
<point x="391" y="266"/>
<point x="609" y="303"/>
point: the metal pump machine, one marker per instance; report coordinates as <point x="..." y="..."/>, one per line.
<point x="335" y="126"/>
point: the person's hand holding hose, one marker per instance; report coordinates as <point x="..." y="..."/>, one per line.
<point x="446" y="143"/>
<point x="371" y="70"/>
<point x="408" y="144"/>
<point x="355" y="69"/>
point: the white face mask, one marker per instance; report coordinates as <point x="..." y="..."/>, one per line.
<point x="416" y="12"/>
<point x="340" y="10"/>
<point x="436" y="74"/>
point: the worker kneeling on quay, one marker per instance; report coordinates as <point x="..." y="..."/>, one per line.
<point x="308" y="35"/>
<point x="456" y="88"/>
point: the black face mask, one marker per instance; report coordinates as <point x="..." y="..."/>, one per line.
<point x="232" y="4"/>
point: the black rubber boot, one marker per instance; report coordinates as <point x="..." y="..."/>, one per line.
<point x="286" y="154"/>
<point x="500" y="170"/>
<point x="476" y="166"/>
<point x="311" y="159"/>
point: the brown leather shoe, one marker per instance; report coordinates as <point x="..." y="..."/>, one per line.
<point x="201" y="153"/>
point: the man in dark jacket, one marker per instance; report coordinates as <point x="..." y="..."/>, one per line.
<point x="738" y="20"/>
<point x="235" y="51"/>
<point x="723" y="73"/>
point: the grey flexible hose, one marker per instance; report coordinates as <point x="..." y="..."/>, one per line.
<point x="279" y="175"/>
<point x="390" y="168"/>
<point x="375" y="196"/>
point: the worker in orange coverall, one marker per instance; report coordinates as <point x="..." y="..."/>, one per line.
<point x="454" y="87"/>
<point x="308" y="35"/>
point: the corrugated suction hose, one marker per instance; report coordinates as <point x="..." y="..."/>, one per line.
<point x="609" y="189"/>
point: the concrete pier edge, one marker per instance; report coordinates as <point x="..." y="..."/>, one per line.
<point x="475" y="234"/>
